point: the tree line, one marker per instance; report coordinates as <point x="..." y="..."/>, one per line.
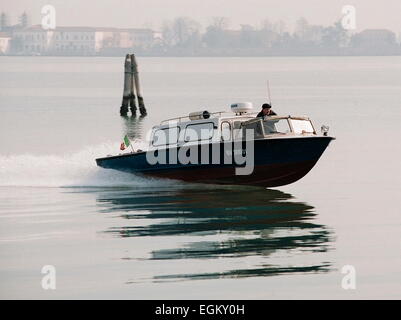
<point x="185" y="36"/>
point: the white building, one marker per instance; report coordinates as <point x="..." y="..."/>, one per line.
<point x="78" y="40"/>
<point x="127" y="38"/>
<point x="32" y="40"/>
<point x="75" y="41"/>
<point x="141" y="38"/>
<point x="5" y="41"/>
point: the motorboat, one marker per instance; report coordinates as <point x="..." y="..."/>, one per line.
<point x="233" y="147"/>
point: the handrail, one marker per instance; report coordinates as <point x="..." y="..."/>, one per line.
<point x="248" y="113"/>
<point x="279" y="117"/>
<point x="184" y="117"/>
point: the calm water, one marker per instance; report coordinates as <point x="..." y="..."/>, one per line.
<point x="114" y="235"/>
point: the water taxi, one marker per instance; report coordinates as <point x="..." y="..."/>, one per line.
<point x="228" y="148"/>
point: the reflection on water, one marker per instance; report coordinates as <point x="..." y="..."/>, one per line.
<point x="132" y="127"/>
<point x="224" y="223"/>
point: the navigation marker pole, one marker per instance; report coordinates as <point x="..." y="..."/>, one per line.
<point x="132" y="100"/>
<point x="127" y="86"/>
<point x="135" y="72"/>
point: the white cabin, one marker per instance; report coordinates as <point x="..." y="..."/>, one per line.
<point x="212" y="127"/>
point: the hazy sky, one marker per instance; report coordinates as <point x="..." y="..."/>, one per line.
<point x="151" y="13"/>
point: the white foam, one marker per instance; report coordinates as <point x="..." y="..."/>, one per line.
<point x="72" y="170"/>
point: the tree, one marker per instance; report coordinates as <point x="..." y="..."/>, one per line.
<point x="301" y="28"/>
<point x="335" y="36"/>
<point x="220" y="23"/>
<point x="4" y="21"/>
<point x="280" y="28"/>
<point x="268" y="33"/>
<point x="24" y="20"/>
<point x="249" y="37"/>
<point x="182" y="32"/>
<point x="216" y="35"/>
<point x="167" y="34"/>
<point x="307" y="34"/>
<point x="266" y="25"/>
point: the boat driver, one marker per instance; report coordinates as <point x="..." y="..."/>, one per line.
<point x="266" y="111"/>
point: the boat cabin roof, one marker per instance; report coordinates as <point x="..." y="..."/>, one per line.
<point x="226" y="126"/>
<point x="220" y="116"/>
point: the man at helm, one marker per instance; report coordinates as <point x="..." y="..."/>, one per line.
<point x="266" y="111"/>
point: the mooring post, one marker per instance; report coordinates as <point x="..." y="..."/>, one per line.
<point x="132" y="100"/>
<point x="127" y="86"/>
<point x="141" y="104"/>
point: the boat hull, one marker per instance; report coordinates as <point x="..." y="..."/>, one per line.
<point x="277" y="162"/>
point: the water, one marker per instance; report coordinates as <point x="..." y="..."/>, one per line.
<point x="113" y="235"/>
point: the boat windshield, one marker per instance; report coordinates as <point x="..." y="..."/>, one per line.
<point x="278" y="126"/>
<point x="302" y="126"/>
<point x="255" y="126"/>
<point x="273" y="126"/>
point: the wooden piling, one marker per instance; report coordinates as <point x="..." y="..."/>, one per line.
<point x="132" y="100"/>
<point x="127" y="86"/>
<point x="135" y="72"/>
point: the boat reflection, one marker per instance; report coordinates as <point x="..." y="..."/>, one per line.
<point x="224" y="223"/>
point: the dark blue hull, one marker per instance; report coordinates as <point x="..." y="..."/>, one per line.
<point x="277" y="162"/>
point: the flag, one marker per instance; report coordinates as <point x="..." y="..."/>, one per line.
<point x="126" y="143"/>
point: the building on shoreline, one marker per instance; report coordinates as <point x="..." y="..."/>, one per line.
<point x="77" y="41"/>
<point x="309" y="40"/>
<point x="5" y="40"/>
<point x="31" y="41"/>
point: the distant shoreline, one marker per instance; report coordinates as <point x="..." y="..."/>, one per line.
<point x="204" y="56"/>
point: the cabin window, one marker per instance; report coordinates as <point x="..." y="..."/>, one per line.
<point x="165" y="136"/>
<point x="199" y="132"/>
<point x="237" y="130"/>
<point x="276" y="126"/>
<point x="225" y="131"/>
<point x="256" y="126"/>
<point x="302" y="126"/>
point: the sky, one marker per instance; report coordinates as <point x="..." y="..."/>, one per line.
<point x="151" y="13"/>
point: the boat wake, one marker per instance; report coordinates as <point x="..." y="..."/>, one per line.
<point x="71" y="170"/>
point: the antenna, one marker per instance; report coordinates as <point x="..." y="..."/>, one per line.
<point x="268" y="93"/>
